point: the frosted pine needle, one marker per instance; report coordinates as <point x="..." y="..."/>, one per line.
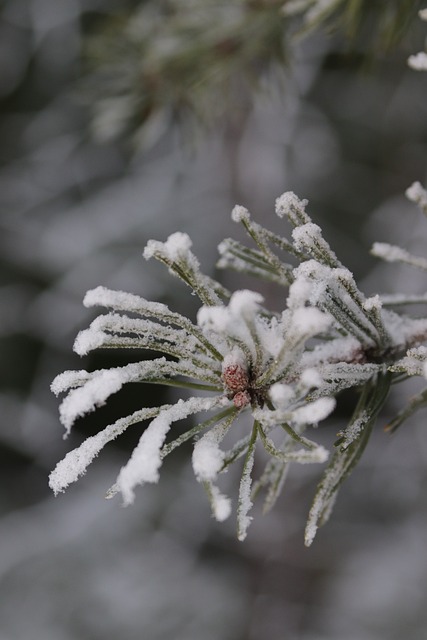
<point x="278" y="372"/>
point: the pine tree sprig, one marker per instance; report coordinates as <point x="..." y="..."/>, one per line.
<point x="281" y="372"/>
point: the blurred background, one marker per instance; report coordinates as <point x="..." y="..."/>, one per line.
<point x="114" y="131"/>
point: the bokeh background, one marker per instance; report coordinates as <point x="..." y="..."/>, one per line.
<point x="342" y="128"/>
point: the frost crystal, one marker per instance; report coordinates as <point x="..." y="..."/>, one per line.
<point x="280" y="371"/>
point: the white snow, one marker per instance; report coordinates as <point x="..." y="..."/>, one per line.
<point x="338" y="350"/>
<point x="121" y="300"/>
<point x="88" y="340"/>
<point x="207" y="458"/>
<point x="270" y="334"/>
<point x="306" y="235"/>
<point x="287" y="201"/>
<point x="221" y="505"/>
<point x="245" y="303"/>
<point x="314" y="412"/>
<point x="309" y="321"/>
<point x="145" y="461"/>
<point x="418" y="352"/>
<point x="311" y="281"/>
<point x="299" y="292"/>
<point x="68" y="379"/>
<point x="213" y="318"/>
<point x="403" y="330"/>
<point x="92" y="394"/>
<point x="281" y="395"/>
<point x="236" y="357"/>
<point x="311" y="378"/>
<point x="344" y="375"/>
<point x="413" y="363"/>
<point x="418" y="61"/>
<point x="416" y="193"/>
<point x="311" y="527"/>
<point x="318" y="455"/>
<point x="343" y="275"/>
<point x="312" y="269"/>
<point x="76" y="462"/>
<point x="95" y="391"/>
<point x="239" y="214"/>
<point x="115" y="329"/>
<point x="234" y="321"/>
<point x="176" y="247"/>
<point x="373" y="303"/>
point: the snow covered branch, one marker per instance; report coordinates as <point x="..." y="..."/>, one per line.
<point x="283" y="371"/>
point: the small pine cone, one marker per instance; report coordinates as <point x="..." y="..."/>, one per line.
<point x="241" y="399"/>
<point x="235" y="377"/>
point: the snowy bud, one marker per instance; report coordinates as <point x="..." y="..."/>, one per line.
<point x="241" y="399"/>
<point x="235" y="377"/>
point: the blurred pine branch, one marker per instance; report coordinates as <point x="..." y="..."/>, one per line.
<point x="151" y="64"/>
